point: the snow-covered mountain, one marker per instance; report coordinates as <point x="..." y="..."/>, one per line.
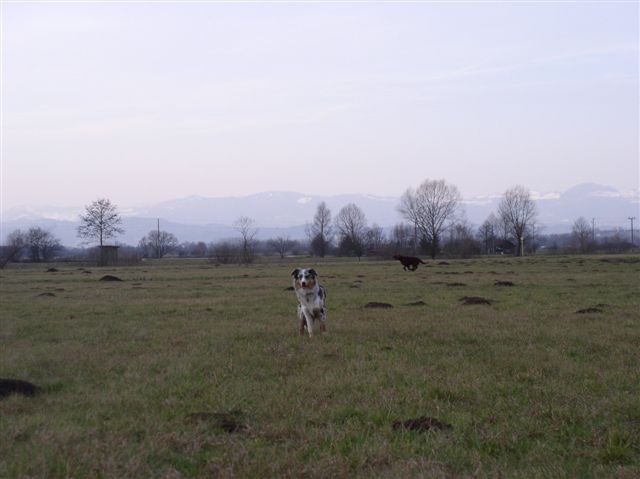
<point x="197" y="218"/>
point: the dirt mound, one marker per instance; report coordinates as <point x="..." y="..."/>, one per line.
<point x="417" y="303"/>
<point x="443" y="263"/>
<point x="589" y="310"/>
<point x="423" y="423"/>
<point x="503" y="283"/>
<point x="455" y="284"/>
<point x="108" y="277"/>
<point x="375" y="304"/>
<point x="52" y="270"/>
<point x="17" y="386"/>
<point x="227" y="421"/>
<point x="47" y="294"/>
<point x="466" y="300"/>
<point x="290" y="288"/>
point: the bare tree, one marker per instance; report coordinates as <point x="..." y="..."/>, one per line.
<point x="247" y="229"/>
<point x="158" y="243"/>
<point x="488" y="233"/>
<point x="320" y="230"/>
<point x="351" y="224"/>
<point x="100" y="221"/>
<point x="41" y="244"/>
<point x="225" y="252"/>
<point x="375" y="238"/>
<point x="429" y="208"/>
<point x="461" y="241"/>
<point x="518" y="211"/>
<point x="281" y="245"/>
<point x="14" y="244"/>
<point x="402" y="236"/>
<point x="581" y="233"/>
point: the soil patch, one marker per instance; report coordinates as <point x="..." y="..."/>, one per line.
<point x="47" y="294"/>
<point x="417" y="303"/>
<point x="621" y="260"/>
<point x="589" y="310"/>
<point x="108" y="277"/>
<point x="375" y="304"/>
<point x="455" y="284"/>
<point x="503" y="283"/>
<point x="466" y="300"/>
<point x="227" y="421"/>
<point x="443" y="263"/>
<point x="17" y="386"/>
<point x="52" y="270"/>
<point x="421" y="424"/>
<point x="290" y="288"/>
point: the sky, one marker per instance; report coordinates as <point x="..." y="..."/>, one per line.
<point x="141" y="102"/>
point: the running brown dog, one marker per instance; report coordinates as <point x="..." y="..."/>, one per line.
<point x="410" y="263"/>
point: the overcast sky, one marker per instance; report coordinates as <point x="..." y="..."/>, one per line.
<point x="141" y="102"/>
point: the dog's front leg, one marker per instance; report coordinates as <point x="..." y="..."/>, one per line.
<point x="309" y="319"/>
<point x="301" y="319"/>
<point x="323" y="320"/>
<point x="301" y="322"/>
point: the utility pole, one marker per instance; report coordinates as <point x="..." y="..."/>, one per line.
<point x="593" y="230"/>
<point x="631" y="218"/>
<point x="158" y="241"/>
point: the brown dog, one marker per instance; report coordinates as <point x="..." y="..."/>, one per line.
<point x="410" y="263"/>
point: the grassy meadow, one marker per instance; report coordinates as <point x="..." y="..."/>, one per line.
<point x="189" y="369"/>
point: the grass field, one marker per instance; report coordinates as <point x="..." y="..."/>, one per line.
<point x="187" y="369"/>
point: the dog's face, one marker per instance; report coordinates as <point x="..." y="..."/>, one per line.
<point x="304" y="278"/>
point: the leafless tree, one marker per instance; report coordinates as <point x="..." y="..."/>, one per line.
<point x="225" y="252"/>
<point x="320" y="230"/>
<point x="100" y="221"/>
<point x="248" y="231"/>
<point x="41" y="244"/>
<point x="351" y="224"/>
<point x="375" y="238"/>
<point x="402" y="236"/>
<point x="461" y="241"/>
<point x="581" y="233"/>
<point x="158" y="243"/>
<point x="488" y="233"/>
<point x="14" y="244"/>
<point x="281" y="245"/>
<point x="518" y="211"/>
<point x="430" y="207"/>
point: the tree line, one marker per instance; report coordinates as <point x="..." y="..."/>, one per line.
<point x="433" y="223"/>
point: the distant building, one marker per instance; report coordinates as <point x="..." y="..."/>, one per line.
<point x="108" y="256"/>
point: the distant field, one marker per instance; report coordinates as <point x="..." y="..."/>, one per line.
<point x="187" y="369"/>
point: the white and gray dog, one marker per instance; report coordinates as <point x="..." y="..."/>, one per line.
<point x="312" y="297"/>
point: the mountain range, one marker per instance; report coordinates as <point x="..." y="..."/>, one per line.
<point x="197" y="218"/>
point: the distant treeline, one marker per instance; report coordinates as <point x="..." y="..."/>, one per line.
<point x="459" y="242"/>
<point x="433" y="224"/>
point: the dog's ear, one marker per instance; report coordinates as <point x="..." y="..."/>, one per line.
<point x="295" y="272"/>
<point x="313" y="273"/>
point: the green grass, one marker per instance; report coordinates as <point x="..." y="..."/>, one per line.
<point x="531" y="388"/>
